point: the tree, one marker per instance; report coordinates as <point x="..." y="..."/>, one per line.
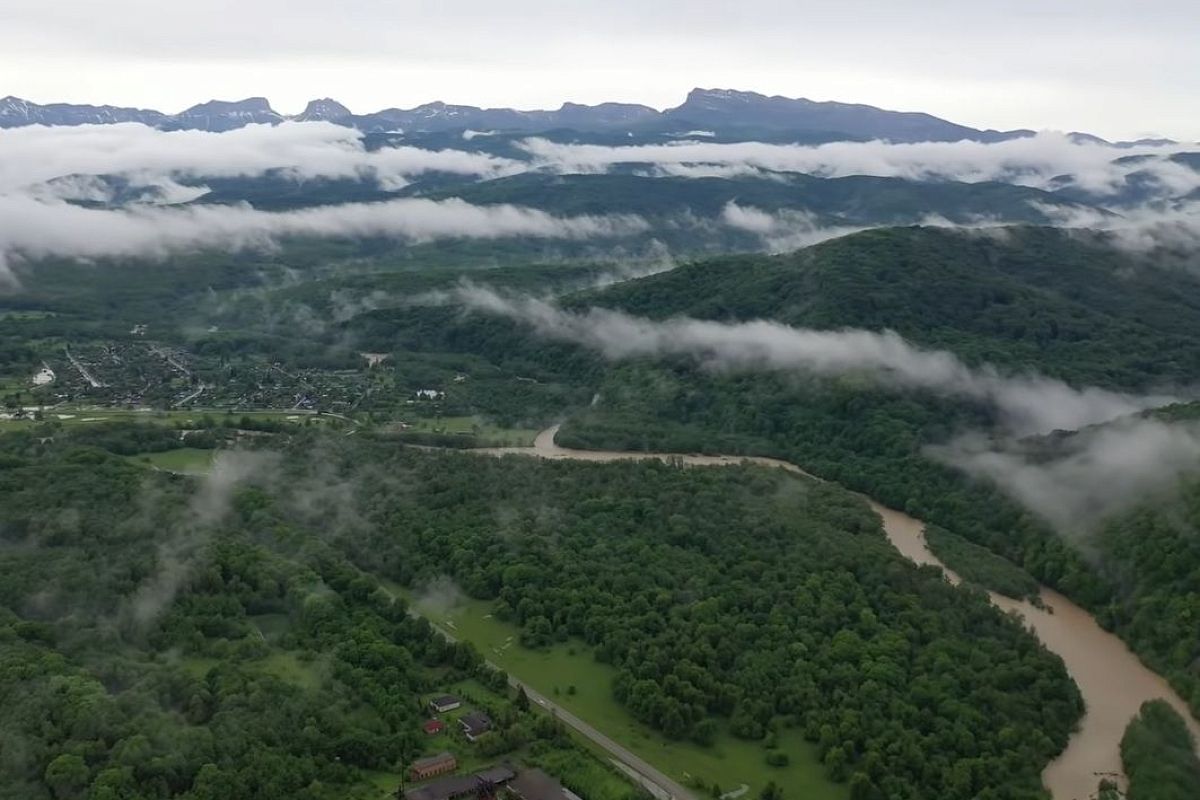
<point x="67" y="775"/>
<point x="771" y="792"/>
<point x="522" y="699"/>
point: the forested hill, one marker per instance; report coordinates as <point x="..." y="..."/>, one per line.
<point x="1043" y="299"/>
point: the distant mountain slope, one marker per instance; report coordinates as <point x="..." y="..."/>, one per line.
<point x="15" y="113"/>
<point x="432" y="117"/>
<point x="852" y="200"/>
<point x="722" y="108"/>
<point x="721" y="111"/>
<point x="324" y="110"/>
<point x="221" y="115"/>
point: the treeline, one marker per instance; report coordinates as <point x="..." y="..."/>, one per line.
<point x="1159" y="755"/>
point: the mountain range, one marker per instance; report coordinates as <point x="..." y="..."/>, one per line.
<point x="713" y="112"/>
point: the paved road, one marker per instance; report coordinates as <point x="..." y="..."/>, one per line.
<point x="654" y="781"/>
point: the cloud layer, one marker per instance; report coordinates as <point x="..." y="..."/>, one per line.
<point x="35" y="155"/>
<point x="1034" y="161"/>
<point x="1025" y="404"/>
<point x="35" y="229"/>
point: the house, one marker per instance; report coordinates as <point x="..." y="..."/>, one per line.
<point x="430" y="767"/>
<point x="533" y="784"/>
<point x="481" y="784"/>
<point x="444" y="703"/>
<point x="433" y="727"/>
<point x="475" y="724"/>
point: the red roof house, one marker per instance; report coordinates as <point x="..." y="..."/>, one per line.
<point x="433" y="727"/>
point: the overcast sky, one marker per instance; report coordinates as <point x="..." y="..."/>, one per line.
<point x="1112" y="67"/>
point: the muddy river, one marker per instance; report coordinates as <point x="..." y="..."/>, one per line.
<point x="1113" y="682"/>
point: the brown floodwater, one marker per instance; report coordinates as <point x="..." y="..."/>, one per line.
<point x="1113" y="682"/>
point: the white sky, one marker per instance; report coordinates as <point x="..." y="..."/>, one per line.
<point x="1115" y="68"/>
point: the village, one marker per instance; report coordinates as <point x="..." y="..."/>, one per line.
<point x="145" y="375"/>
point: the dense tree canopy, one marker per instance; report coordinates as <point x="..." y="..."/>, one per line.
<point x="163" y="636"/>
<point x="745" y="597"/>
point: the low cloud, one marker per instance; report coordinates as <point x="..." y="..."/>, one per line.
<point x="785" y="230"/>
<point x="303" y="150"/>
<point x="1026" y="404"/>
<point x="185" y="543"/>
<point x="439" y="597"/>
<point x="1089" y="476"/>
<point x="230" y="469"/>
<point x="1041" y="161"/>
<point x="1140" y="230"/>
<point x="34" y="229"/>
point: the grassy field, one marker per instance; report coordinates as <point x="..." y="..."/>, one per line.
<point x="729" y="762"/>
<point x="492" y="435"/>
<point x="287" y="667"/>
<point x="186" y="460"/>
<point x="280" y="663"/>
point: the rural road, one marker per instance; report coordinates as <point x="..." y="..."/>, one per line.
<point x="652" y="780"/>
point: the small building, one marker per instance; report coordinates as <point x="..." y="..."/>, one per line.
<point x="533" y="784"/>
<point x="433" y="727"/>
<point x="432" y="766"/>
<point x="444" y="703"/>
<point x="475" y="724"/>
<point x="481" y="784"/>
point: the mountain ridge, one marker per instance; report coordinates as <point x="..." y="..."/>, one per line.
<point x="734" y="112"/>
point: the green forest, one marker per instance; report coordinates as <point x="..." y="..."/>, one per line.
<point x="762" y="602"/>
<point x="167" y="636"/>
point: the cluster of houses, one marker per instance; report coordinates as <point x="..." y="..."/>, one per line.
<point x="474" y="723"/>
<point x="501" y="782"/>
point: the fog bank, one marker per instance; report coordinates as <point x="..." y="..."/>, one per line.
<point x="1092" y="475"/>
